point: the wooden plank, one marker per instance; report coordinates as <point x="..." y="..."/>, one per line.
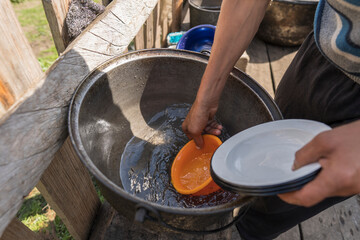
<point x="157" y="26"/>
<point x="66" y="179"/>
<point x="18" y="231"/>
<point x="32" y="135"/>
<point x="293" y="234"/>
<point x="140" y="39"/>
<point x="55" y="12"/>
<point x="122" y="228"/>
<point x="280" y="59"/>
<point x="165" y="19"/>
<point x="103" y="220"/>
<point x="176" y="15"/>
<point x="258" y="66"/>
<point x="67" y="187"/>
<point x="149" y="32"/>
<point x="185" y="15"/>
<point x="19" y="68"/>
<point x="348" y="213"/>
<point x="324" y="225"/>
<point x="342" y="221"/>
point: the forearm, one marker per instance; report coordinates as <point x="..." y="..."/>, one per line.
<point x="237" y="25"/>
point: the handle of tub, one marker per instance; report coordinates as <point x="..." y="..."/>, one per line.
<point x="143" y="210"/>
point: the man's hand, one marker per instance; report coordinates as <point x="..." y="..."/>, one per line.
<point x="338" y="152"/>
<point x="201" y="119"/>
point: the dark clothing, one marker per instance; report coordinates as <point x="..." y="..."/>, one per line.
<point x="311" y="88"/>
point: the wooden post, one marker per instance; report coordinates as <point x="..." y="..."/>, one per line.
<point x="149" y="26"/>
<point x="157" y="25"/>
<point x="19" y="68"/>
<point x="176" y="15"/>
<point x="67" y="187"/>
<point x="154" y="32"/>
<point x="33" y="134"/>
<point x="55" y="12"/>
<point x="165" y="19"/>
<point x="16" y="230"/>
<point x="66" y="180"/>
<point x="140" y="39"/>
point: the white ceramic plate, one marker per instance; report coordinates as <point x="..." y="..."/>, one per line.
<point x="262" y="155"/>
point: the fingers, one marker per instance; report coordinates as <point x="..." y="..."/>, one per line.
<point x="311" y="194"/>
<point x="213" y="128"/>
<point x="199" y="141"/>
<point x="312" y="151"/>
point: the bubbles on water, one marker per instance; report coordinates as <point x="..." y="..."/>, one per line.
<point x="146" y="163"/>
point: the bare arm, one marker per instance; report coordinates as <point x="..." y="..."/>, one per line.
<point x="238" y="22"/>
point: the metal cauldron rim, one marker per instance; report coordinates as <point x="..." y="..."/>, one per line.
<point x="86" y="84"/>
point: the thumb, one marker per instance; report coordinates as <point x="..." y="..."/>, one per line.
<point x="311" y="152"/>
<point x="198" y="141"/>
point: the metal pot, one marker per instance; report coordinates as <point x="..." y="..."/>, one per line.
<point x="204" y="12"/>
<point x="114" y="103"/>
<point x="288" y="22"/>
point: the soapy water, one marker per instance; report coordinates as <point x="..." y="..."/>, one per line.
<point x="146" y="163"/>
<point x="197" y="172"/>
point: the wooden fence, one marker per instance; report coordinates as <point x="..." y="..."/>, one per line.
<point x="34" y="146"/>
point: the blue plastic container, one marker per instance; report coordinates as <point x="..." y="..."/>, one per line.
<point x="198" y="39"/>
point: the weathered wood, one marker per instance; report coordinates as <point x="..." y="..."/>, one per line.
<point x="165" y="19"/>
<point x="104" y="217"/>
<point x="157" y="26"/>
<point x="16" y="230"/>
<point x="342" y="221"/>
<point x="149" y="30"/>
<point x="242" y="62"/>
<point x="122" y="228"/>
<point x="324" y="225"/>
<point x="293" y="234"/>
<point x="140" y="39"/>
<point x="153" y="33"/>
<point x="37" y="129"/>
<point x="67" y="187"/>
<point x="66" y="180"/>
<point x="19" y="68"/>
<point x="349" y="216"/>
<point x="185" y="15"/>
<point x="258" y="66"/>
<point x="280" y="59"/>
<point x="176" y="15"/>
<point x="55" y="12"/>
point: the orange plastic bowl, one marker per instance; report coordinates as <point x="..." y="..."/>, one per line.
<point x="190" y="171"/>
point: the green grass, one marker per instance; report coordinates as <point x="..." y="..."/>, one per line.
<point x="47" y="57"/>
<point x="38" y="216"/>
<point x="32" y="19"/>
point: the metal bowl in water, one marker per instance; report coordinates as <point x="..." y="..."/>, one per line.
<point x="115" y="102"/>
<point x="288" y="22"/>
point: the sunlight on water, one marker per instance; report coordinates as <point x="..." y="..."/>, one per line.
<point x="146" y="163"/>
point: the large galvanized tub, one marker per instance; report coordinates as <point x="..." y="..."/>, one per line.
<point x="115" y="102"/>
